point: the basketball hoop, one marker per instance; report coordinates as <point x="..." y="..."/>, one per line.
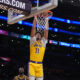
<point x="37" y="9"/>
<point x="45" y="14"/>
<point x="42" y="20"/>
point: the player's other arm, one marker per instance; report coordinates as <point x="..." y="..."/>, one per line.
<point x="33" y="31"/>
<point x="46" y="29"/>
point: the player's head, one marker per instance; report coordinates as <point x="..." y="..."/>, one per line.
<point x="38" y="35"/>
<point x="21" y="70"/>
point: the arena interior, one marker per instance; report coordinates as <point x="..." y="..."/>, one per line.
<point x="62" y="56"/>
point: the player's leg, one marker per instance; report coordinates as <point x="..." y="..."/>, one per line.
<point x="31" y="78"/>
<point x="31" y="71"/>
<point x="39" y="72"/>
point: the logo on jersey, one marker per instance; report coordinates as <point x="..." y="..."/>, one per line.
<point x="36" y="45"/>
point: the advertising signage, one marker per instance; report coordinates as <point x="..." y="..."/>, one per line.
<point x="17" y="6"/>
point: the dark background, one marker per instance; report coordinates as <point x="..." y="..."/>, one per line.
<point x="60" y="63"/>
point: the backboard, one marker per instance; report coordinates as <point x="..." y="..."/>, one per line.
<point x="38" y="6"/>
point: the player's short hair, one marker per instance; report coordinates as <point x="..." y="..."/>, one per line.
<point x="39" y="33"/>
<point x="21" y="68"/>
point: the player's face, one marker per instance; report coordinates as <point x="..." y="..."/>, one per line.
<point x="21" y="70"/>
<point x="38" y="36"/>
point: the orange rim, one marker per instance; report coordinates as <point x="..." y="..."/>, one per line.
<point x="50" y="13"/>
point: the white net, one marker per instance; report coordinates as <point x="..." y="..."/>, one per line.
<point x="42" y="21"/>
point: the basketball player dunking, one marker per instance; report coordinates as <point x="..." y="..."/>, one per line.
<point x="37" y="49"/>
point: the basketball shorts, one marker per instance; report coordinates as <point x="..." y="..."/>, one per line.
<point x="35" y="69"/>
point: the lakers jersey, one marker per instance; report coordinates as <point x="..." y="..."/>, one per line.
<point x="37" y="49"/>
<point x="24" y="77"/>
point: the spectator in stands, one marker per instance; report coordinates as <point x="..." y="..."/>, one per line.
<point x="21" y="75"/>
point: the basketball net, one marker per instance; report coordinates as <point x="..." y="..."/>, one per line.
<point x="42" y="21"/>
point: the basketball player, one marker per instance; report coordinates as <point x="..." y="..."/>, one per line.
<point x="21" y="75"/>
<point x="37" y="49"/>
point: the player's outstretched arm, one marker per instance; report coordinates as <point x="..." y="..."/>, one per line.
<point x="46" y="29"/>
<point x="33" y="31"/>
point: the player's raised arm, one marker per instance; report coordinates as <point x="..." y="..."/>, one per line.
<point x="46" y="29"/>
<point x="33" y="31"/>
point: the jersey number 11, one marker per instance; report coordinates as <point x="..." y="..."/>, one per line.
<point x="37" y="51"/>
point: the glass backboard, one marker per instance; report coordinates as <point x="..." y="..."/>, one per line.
<point x="38" y="6"/>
